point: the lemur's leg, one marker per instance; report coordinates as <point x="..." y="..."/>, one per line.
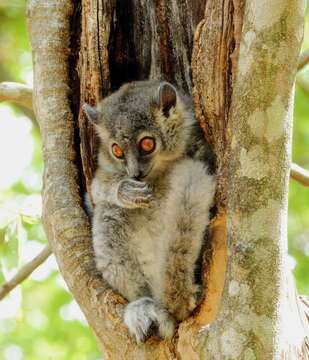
<point x="186" y="215"/>
<point x="121" y="270"/>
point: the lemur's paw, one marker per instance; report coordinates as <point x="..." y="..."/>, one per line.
<point x="144" y="318"/>
<point x="134" y="194"/>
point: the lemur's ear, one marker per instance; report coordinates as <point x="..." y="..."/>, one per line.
<point x="167" y="97"/>
<point x="91" y="113"/>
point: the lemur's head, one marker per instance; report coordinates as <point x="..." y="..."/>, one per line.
<point x="144" y="126"/>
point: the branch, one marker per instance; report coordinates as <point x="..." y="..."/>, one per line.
<point x="303" y="60"/>
<point x="299" y="174"/>
<point x="25" y="272"/>
<point x="19" y="93"/>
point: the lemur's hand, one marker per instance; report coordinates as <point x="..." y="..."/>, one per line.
<point x="134" y="194"/>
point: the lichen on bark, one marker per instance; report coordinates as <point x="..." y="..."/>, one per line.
<point x="259" y="157"/>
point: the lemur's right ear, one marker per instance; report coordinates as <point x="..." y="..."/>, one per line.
<point x="91" y="113"/>
<point x="167" y="97"/>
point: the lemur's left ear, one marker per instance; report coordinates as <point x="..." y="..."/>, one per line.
<point x="167" y="97"/>
<point x="91" y="113"/>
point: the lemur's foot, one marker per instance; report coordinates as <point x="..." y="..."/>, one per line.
<point x="144" y="318"/>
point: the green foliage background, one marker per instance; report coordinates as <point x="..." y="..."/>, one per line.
<point x="40" y="320"/>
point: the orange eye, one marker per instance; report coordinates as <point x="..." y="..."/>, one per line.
<point x="147" y="144"/>
<point x="117" y="151"/>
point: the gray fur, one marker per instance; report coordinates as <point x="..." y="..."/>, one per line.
<point x="151" y="211"/>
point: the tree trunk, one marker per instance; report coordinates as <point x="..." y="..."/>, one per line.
<point x="244" y="57"/>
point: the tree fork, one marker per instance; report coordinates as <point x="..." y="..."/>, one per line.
<point x="134" y="40"/>
<point x="141" y="44"/>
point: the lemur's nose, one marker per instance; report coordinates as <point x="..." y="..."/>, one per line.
<point x="134" y="172"/>
<point x="133" y="167"/>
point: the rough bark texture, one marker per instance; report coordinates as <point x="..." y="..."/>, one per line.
<point x="82" y="51"/>
<point x="254" y="319"/>
<point x="214" y="66"/>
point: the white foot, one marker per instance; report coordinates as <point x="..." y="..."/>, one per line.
<point x="144" y="317"/>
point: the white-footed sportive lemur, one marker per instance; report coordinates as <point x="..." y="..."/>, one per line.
<point x="152" y="194"/>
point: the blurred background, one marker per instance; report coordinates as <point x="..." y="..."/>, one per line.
<point x="40" y="320"/>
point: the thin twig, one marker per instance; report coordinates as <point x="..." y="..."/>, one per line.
<point x="18" y="93"/>
<point x="25" y="271"/>
<point x="303" y="60"/>
<point x="299" y="174"/>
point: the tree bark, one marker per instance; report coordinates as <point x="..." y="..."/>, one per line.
<point x="81" y="52"/>
<point x="254" y="319"/>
